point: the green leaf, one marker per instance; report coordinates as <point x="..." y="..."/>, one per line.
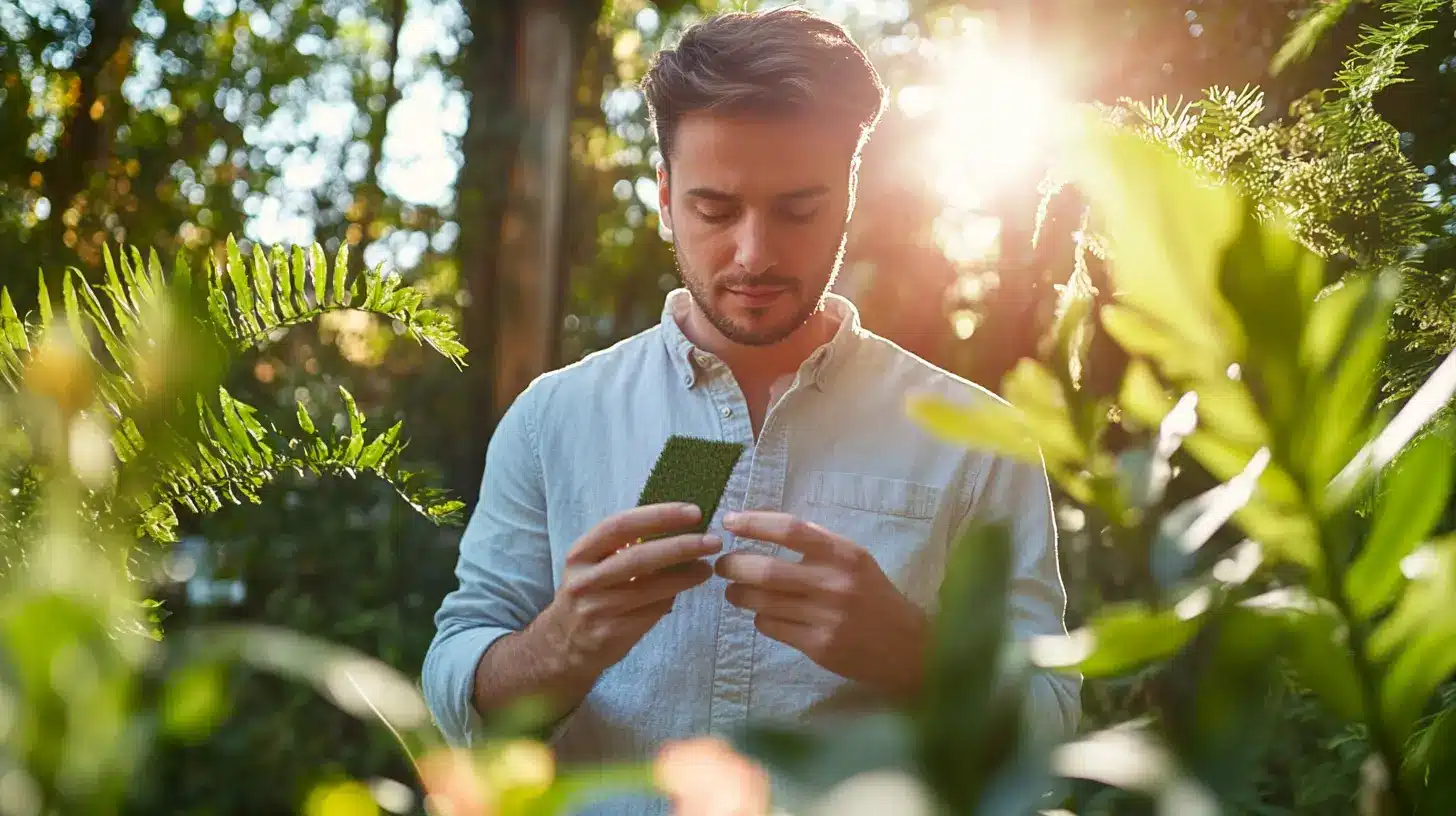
<point x="356" y="428"/>
<point x="44" y="302"/>
<point x="238" y="274"/>
<point x="1410" y="507"/>
<point x="1270" y="281"/>
<point x="299" y="272"/>
<point x="1158" y="215"/>
<point x="192" y="701"/>
<point x="278" y="260"/>
<point x="991" y="425"/>
<point x="1142" y="396"/>
<point x="1037" y="395"/>
<point x="11" y="327"/>
<point x="1120" y="639"/>
<point x="1313" y="638"/>
<point x="320" y="268"/>
<point x="1433" y="395"/>
<point x="970" y="685"/>
<point x="305" y="422"/>
<point x="381" y="448"/>
<point x="263" y="281"/>
<point x="1335" y="418"/>
<point x="341" y="273"/>
<point x="1418" y="640"/>
<point x="1306" y="35"/>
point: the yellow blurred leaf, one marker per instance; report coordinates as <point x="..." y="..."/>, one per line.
<point x="340" y="799"/>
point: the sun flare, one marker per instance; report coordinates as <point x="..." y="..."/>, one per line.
<point x="990" y="115"/>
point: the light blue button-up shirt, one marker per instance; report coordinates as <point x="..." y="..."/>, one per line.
<point x="837" y="448"/>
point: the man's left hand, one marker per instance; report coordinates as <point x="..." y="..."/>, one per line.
<point x="835" y="605"/>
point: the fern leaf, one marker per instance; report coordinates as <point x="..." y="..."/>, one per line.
<point x="299" y="271"/>
<point x="279" y="261"/>
<point x="381" y="449"/>
<point x="320" y="277"/>
<point x="44" y="302"/>
<point x="242" y="291"/>
<point x="263" y="281"/>
<point x="1305" y="36"/>
<point x="156" y="279"/>
<point x="13" y="341"/>
<point x="121" y="302"/>
<point x="341" y="271"/>
<point x="217" y="301"/>
<point x="305" y="422"/>
<point x="133" y="289"/>
<point x="356" y="428"/>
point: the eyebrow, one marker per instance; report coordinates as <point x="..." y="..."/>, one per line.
<point x="718" y="195"/>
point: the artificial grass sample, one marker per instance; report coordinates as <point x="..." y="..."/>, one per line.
<point x="692" y="470"/>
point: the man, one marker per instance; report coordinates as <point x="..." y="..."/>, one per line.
<point x="812" y="589"/>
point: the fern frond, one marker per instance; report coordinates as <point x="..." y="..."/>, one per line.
<point x="235" y="455"/>
<point x="256" y="301"/>
<point x="1307" y="34"/>
<point x="179" y="443"/>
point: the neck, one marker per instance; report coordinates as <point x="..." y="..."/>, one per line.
<point x="760" y="365"/>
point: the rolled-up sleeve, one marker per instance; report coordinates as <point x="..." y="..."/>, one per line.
<point x="504" y="569"/>
<point x="1018" y="493"/>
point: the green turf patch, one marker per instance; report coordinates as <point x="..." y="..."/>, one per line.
<point x="692" y="470"/>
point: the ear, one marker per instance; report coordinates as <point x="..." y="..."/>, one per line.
<point x="664" y="197"/>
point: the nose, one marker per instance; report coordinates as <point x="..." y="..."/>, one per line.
<point x="754" y="253"/>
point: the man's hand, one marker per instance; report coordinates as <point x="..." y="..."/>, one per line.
<point x="835" y="605"/>
<point x="614" y="588"/>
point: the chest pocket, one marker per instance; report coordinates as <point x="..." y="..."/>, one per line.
<point x="894" y="520"/>
<point x="873" y="494"/>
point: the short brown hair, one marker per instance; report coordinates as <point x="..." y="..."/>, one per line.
<point x="781" y="61"/>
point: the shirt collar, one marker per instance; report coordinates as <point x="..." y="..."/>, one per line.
<point x="689" y="360"/>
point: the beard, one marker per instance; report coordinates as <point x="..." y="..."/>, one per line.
<point x="757" y="326"/>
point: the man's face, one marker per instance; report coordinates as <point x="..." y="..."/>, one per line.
<point x="758" y="209"/>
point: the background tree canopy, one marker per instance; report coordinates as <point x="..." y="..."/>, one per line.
<point x="444" y="140"/>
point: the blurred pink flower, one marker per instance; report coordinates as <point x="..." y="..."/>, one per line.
<point x="453" y="784"/>
<point x="704" y="776"/>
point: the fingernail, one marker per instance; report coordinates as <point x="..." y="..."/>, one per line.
<point x="730" y="518"/>
<point x="712" y="542"/>
<point x="691" y="511"/>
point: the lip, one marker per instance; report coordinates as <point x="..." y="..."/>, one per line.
<point x="758" y="295"/>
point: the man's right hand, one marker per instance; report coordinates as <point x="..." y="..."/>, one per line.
<point x="616" y="585"/>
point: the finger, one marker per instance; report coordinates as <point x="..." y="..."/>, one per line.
<point x="627" y="599"/>
<point x="785" y="530"/>
<point x="774" y="574"/>
<point x="643" y="559"/>
<point x="628" y="526"/>
<point x="790" y="633"/>
<point x="796" y="608"/>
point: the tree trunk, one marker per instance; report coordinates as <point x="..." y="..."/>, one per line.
<point x="520" y="70"/>
<point x="83" y="143"/>
<point x="371" y="197"/>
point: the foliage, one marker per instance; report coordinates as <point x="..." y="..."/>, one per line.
<point x="89" y="694"/>
<point x="1269" y="381"/>
<point x="214" y="448"/>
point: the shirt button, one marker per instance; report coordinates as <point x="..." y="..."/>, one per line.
<point x="687" y="379"/>
<point x="726" y="412"/>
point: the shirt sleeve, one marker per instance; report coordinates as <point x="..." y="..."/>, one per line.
<point x="504" y="569"/>
<point x="1018" y="493"/>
